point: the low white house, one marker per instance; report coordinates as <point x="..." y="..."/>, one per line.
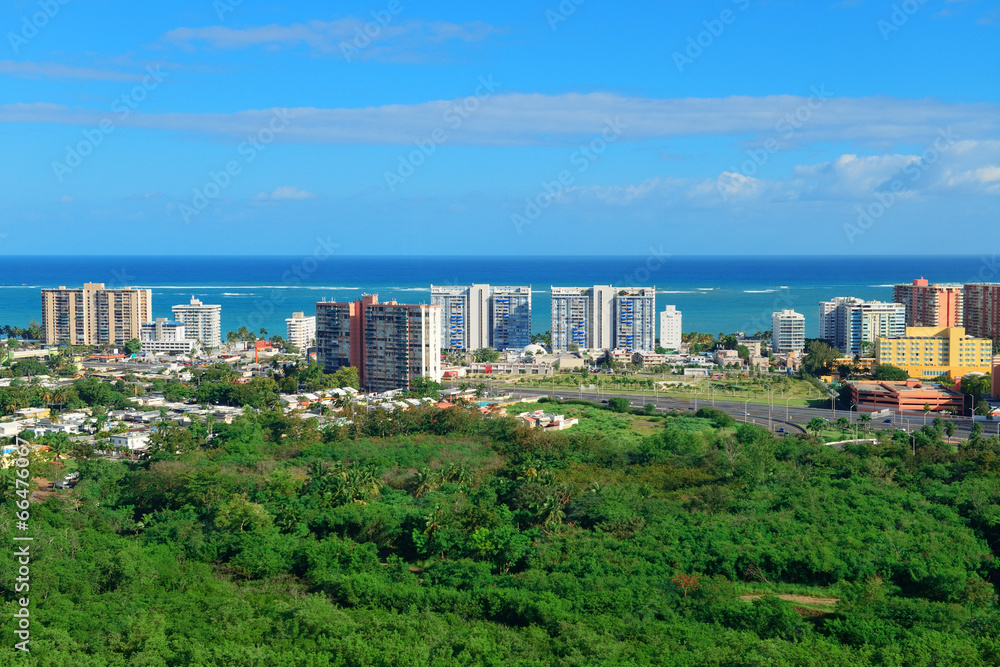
<point x="132" y="440"/>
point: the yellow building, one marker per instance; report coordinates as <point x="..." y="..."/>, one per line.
<point x="929" y="352"/>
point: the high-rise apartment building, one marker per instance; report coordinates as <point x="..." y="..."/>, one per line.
<point x="477" y="316"/>
<point x="203" y="321"/>
<point x="670" y="328"/>
<point x="603" y="317"/>
<point x="93" y="315"/>
<point x="865" y="323"/>
<point x="982" y="310"/>
<point x="510" y="310"/>
<point x="831" y="319"/>
<point x="301" y="330"/>
<point x="931" y="305"/>
<point x="788" y="331"/>
<point x="390" y="344"/>
<point x="570" y="318"/>
<point x="853" y="325"/>
<point x="929" y="352"/>
<point x="635" y="319"/>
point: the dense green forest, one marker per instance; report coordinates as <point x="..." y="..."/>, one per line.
<point x="442" y="537"/>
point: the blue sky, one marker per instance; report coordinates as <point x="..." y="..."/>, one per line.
<point x="721" y="126"/>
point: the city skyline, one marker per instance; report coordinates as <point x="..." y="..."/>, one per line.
<point x="206" y="117"/>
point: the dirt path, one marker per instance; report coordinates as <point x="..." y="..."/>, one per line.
<point x="801" y="599"/>
<point x="43" y="491"/>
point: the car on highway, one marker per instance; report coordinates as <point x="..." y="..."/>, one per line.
<point x="782" y="430"/>
<point x="887" y="421"/>
<point x="604" y="401"/>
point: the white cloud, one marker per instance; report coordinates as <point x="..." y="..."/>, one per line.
<point x="284" y="193"/>
<point x="985" y="179"/>
<point x="534" y="119"/>
<point x="66" y="199"/>
<point x="966" y="168"/>
<point x="32" y="70"/>
<point x="623" y="195"/>
<point x="850" y="176"/>
<point x="350" y="37"/>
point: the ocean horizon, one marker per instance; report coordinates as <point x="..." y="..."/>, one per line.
<point x="714" y="292"/>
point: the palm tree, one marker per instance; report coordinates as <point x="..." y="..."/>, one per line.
<point x="865" y="421"/>
<point x="549" y="513"/>
<point x="816" y="425"/>
<point x="844" y="424"/>
<point x="949" y="428"/>
<point x="59" y="447"/>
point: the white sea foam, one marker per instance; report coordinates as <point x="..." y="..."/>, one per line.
<point x="187" y="288"/>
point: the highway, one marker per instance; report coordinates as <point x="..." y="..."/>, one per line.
<point x="761" y="414"/>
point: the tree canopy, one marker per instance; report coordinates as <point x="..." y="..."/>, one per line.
<point x="819" y="357"/>
<point x="448" y="537"/>
<point x="889" y="373"/>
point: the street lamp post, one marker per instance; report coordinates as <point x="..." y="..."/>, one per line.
<point x="770" y="408"/>
<point x="786" y="407"/>
<point x="854" y="408"/>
